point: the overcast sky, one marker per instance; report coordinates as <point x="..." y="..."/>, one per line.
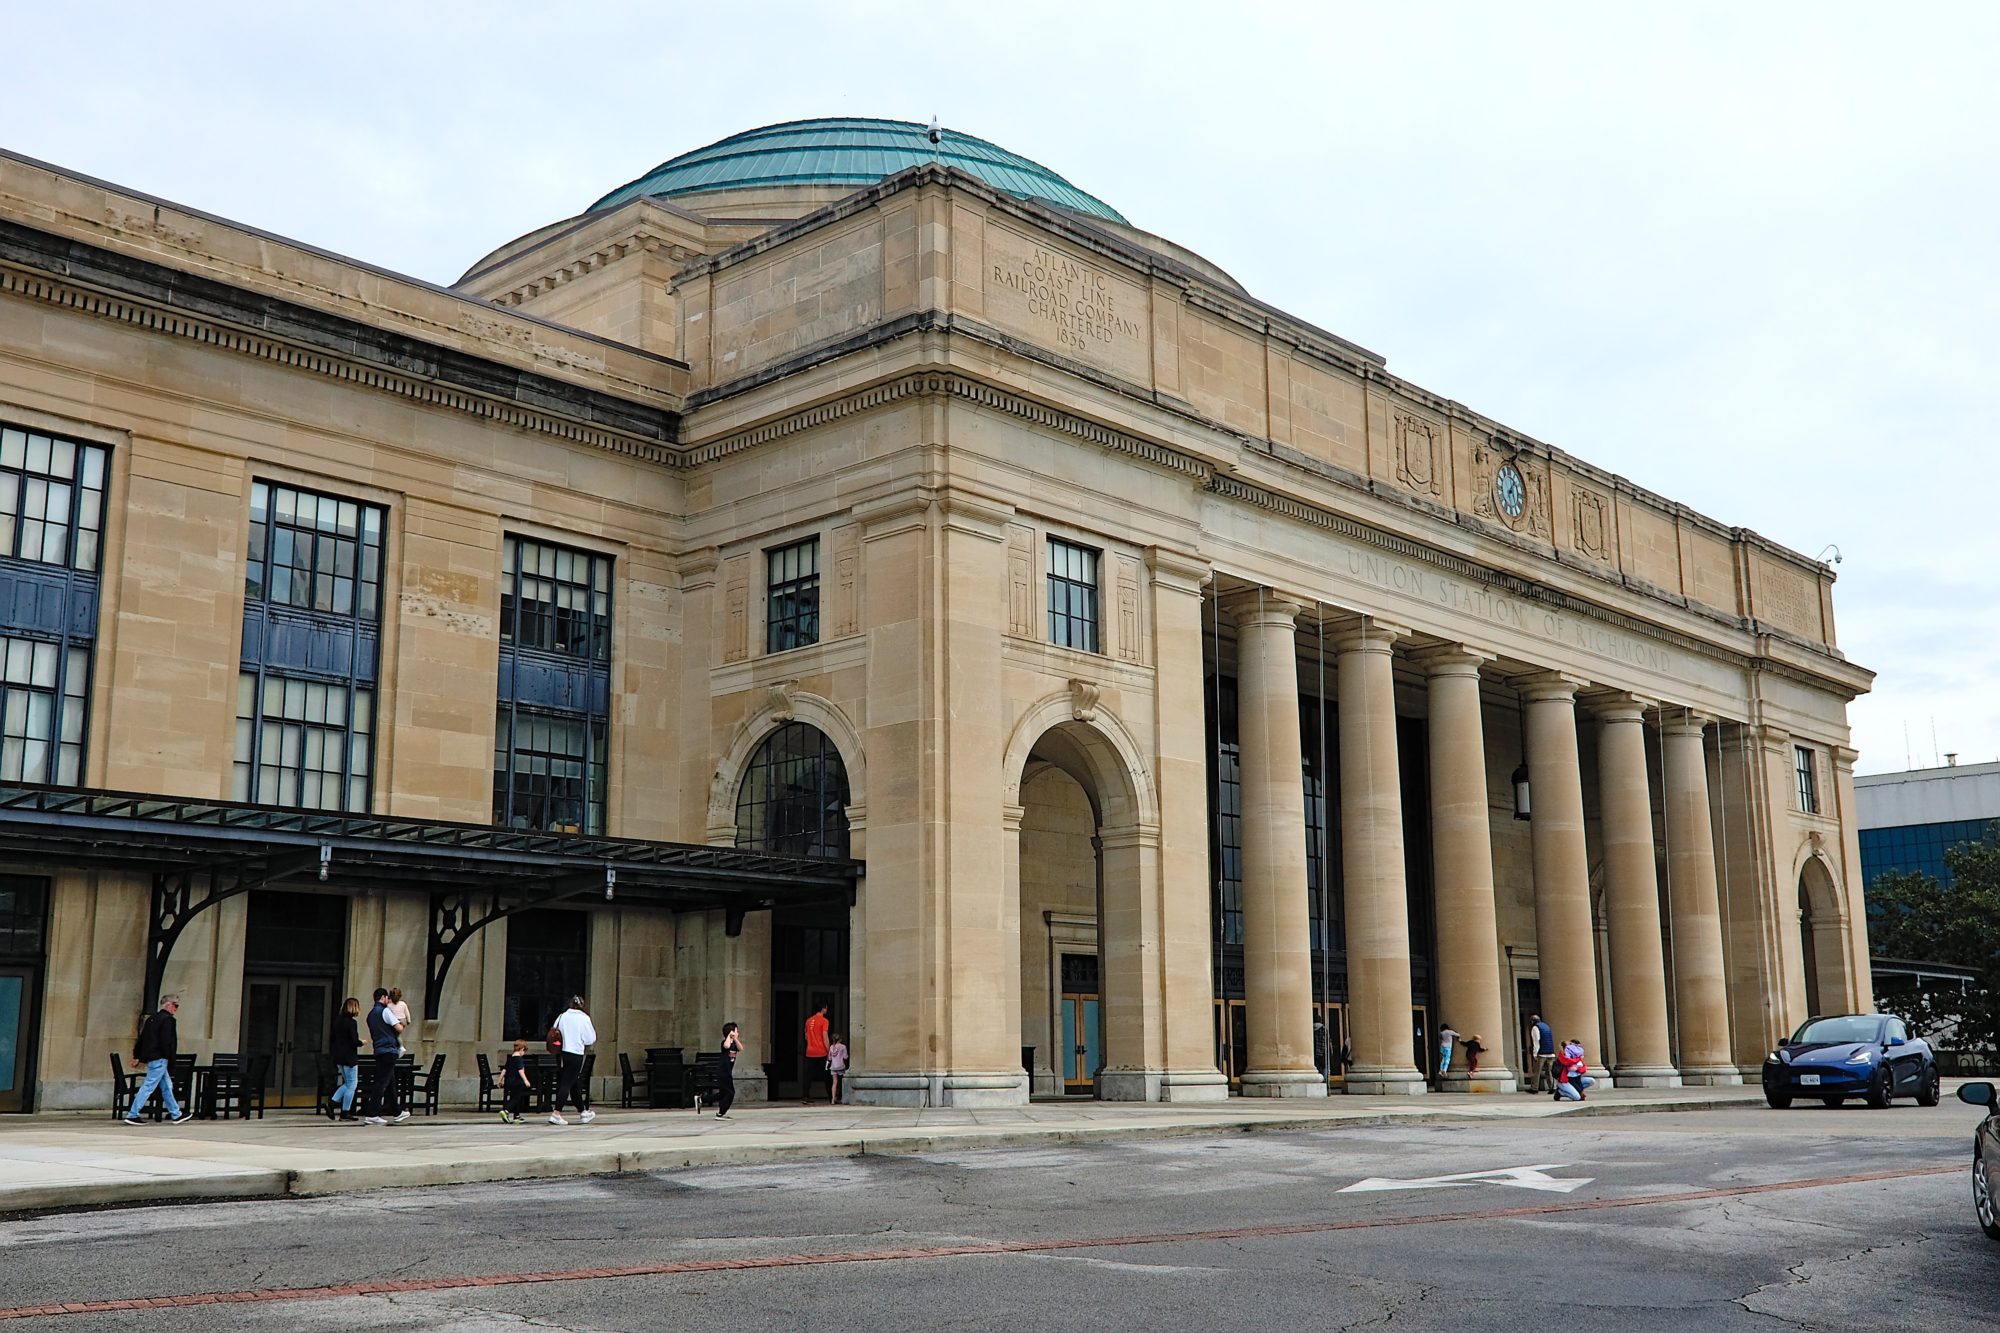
<point x="1746" y="255"/>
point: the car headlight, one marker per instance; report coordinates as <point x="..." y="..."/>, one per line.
<point x="1862" y="1057"/>
<point x="1774" y="1058"/>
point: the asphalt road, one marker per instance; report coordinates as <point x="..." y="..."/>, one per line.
<point x="1663" y="1221"/>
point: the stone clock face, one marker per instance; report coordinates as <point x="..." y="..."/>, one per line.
<point x="1509" y="491"/>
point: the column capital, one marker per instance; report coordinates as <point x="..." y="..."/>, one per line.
<point x="1260" y="606"/>
<point x="1677" y="720"/>
<point x="1366" y="634"/>
<point x="1617" y="705"/>
<point x="1452" y="659"/>
<point x="1180" y="571"/>
<point x="1550" y="686"/>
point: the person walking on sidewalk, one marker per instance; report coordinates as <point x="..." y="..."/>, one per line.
<point x="516" y="1085"/>
<point x="815" y="1068"/>
<point x="345" y="1045"/>
<point x="574" y="1030"/>
<point x="158" y="1044"/>
<point x="836" y="1064"/>
<point x="725" y="1074"/>
<point x="386" y="1043"/>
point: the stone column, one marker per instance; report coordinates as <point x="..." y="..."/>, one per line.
<point x="1564" y="939"/>
<point x="1277" y="948"/>
<point x="1468" y="937"/>
<point x="1632" y="897"/>
<point x="1371" y="861"/>
<point x="1701" y="998"/>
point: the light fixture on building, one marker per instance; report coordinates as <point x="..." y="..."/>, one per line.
<point x="610" y="883"/>
<point x="1521" y="792"/>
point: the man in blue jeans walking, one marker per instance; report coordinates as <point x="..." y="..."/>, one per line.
<point x="159" y="1042"/>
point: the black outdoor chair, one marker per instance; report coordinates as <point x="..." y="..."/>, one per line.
<point x="632" y="1083"/>
<point x="703" y="1077"/>
<point x="546" y="1071"/>
<point x="255" y="1075"/>
<point x="326" y="1077"/>
<point x="488" y="1094"/>
<point x="426" y="1084"/>
<point x="124" y="1082"/>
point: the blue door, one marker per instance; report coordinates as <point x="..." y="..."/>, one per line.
<point x="16" y="1036"/>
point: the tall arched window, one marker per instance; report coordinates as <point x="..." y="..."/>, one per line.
<point x="793" y="801"/>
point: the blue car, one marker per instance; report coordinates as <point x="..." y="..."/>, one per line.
<point x="1852" y="1055"/>
<point x="1985" y="1157"/>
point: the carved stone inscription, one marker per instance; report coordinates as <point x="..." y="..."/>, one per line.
<point x="1478" y="602"/>
<point x="1057" y="299"/>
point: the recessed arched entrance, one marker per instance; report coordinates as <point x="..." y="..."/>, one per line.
<point x="1083" y="843"/>
<point x="1821" y="932"/>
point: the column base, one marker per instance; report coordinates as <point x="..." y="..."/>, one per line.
<point x="1283" y="1083"/>
<point x="1128" y="1085"/>
<point x="1499" y="1079"/>
<point x="1646" y="1076"/>
<point x="1194" y="1085"/>
<point x="948" y="1089"/>
<point x="1711" y="1076"/>
<point x="1385" y="1081"/>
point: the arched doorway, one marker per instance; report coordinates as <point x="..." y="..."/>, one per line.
<point x="1822" y="931"/>
<point x="793" y="802"/>
<point x="1083" y="845"/>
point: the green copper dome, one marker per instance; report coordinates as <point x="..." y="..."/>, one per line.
<point x="849" y="151"/>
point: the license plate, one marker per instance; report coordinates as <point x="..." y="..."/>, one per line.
<point x="1809" y="1080"/>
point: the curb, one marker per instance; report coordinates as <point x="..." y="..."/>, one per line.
<point x="319" y="1182"/>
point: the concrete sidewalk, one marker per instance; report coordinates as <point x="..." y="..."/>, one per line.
<point x="71" y="1161"/>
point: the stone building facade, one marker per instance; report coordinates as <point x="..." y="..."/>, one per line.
<point x="1168" y="663"/>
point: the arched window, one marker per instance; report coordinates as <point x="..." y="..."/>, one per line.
<point x="793" y="801"/>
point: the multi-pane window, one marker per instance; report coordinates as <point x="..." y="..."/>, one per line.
<point x="314" y="552"/>
<point x="1072" y="595"/>
<point x="303" y="743"/>
<point x="51" y="540"/>
<point x="555" y="600"/>
<point x="550" y="740"/>
<point x="1808" y="778"/>
<point x="305" y="700"/>
<point x="42" y="697"/>
<point x="793" y="800"/>
<point x="51" y="499"/>
<point x="548" y="772"/>
<point x="792" y="607"/>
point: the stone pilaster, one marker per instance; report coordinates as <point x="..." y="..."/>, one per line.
<point x="1632" y="897"/>
<point x="1701" y="1002"/>
<point x="1563" y="933"/>
<point x="1468" y="939"/>
<point x="1182" y="867"/>
<point x="1277" y="949"/>
<point x="1373" y="886"/>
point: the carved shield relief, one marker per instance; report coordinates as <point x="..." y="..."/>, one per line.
<point x="1419" y="455"/>
<point x="1590" y="524"/>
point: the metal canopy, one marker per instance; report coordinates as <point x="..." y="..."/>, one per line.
<point x="202" y="853"/>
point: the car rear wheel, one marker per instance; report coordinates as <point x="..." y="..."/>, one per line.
<point x="1983" y="1206"/>
<point x="1930" y="1089"/>
<point x="1778" y="1100"/>
<point x="1880" y="1088"/>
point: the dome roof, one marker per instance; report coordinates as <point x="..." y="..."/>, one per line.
<point x="849" y="151"/>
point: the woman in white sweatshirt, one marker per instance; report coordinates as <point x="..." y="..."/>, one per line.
<point x="575" y="1031"/>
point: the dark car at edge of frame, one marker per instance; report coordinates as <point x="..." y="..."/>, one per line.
<point x="1985" y="1157"/>
<point x="1871" y="1056"/>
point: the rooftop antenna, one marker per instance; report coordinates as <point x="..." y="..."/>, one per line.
<point x="1935" y="761"/>
<point x="1908" y="762"/>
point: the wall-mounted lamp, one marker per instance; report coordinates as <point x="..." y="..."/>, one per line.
<point x="325" y="859"/>
<point x="1521" y="792"/>
<point x="610" y="883"/>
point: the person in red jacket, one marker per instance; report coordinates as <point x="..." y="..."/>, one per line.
<point x="1571" y="1080"/>
<point x="815" y="1070"/>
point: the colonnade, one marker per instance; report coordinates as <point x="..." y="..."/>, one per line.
<point x="1276" y="950"/>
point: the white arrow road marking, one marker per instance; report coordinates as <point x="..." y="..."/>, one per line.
<point x="1520" y="1177"/>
